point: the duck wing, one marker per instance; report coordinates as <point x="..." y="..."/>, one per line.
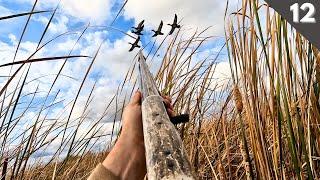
<point x="141" y="24"/>
<point x="132" y="48"/>
<point x="172" y="30"/>
<point x="137" y="40"/>
<point x="160" y="26"/>
<point x="175" y="19"/>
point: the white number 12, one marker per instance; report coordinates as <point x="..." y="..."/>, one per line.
<point x="308" y="18"/>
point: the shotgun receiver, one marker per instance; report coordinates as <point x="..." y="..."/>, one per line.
<point x="165" y="155"/>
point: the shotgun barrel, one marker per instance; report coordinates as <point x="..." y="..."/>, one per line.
<point x="165" y="155"/>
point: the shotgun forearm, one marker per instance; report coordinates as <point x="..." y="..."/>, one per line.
<point x="165" y="154"/>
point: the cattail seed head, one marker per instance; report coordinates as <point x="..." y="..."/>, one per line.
<point x="238" y="99"/>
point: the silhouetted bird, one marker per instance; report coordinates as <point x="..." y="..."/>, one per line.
<point x="158" y="32"/>
<point x="135" y="44"/>
<point x="138" y="29"/>
<point x="174" y="25"/>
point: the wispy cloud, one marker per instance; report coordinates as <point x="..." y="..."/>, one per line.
<point x="95" y="11"/>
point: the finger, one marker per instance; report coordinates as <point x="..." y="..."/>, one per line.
<point x="167" y="103"/>
<point x="171" y="113"/>
<point x="136" y="98"/>
<point x="168" y="98"/>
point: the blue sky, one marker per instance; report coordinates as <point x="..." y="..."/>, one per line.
<point x="113" y="61"/>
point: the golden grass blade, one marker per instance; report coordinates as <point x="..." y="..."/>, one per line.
<point x="43" y="59"/>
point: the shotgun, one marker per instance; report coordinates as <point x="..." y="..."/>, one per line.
<point x="166" y="157"/>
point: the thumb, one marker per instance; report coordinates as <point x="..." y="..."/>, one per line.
<point x="136" y="98"/>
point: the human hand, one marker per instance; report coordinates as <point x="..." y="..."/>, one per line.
<point x="127" y="158"/>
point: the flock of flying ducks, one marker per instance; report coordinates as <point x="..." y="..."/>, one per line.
<point x="138" y="31"/>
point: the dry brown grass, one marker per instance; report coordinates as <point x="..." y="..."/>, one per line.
<point x="75" y="168"/>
